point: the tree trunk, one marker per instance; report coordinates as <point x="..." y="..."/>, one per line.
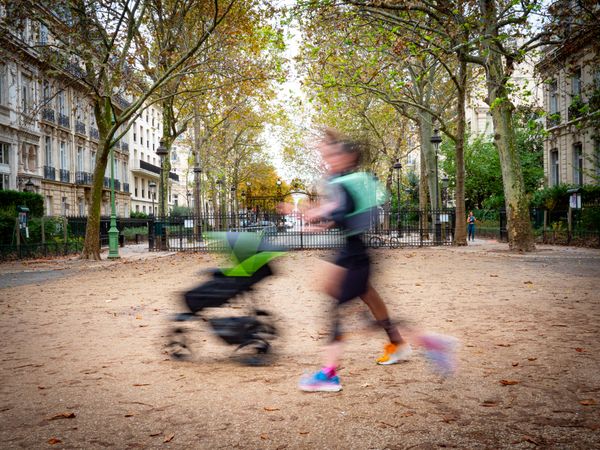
<point x="460" y="230"/>
<point x="428" y="156"/>
<point x="423" y="196"/>
<point x="520" y="234"/>
<point x="91" y="244"/>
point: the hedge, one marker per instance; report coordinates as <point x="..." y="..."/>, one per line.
<point x="9" y="200"/>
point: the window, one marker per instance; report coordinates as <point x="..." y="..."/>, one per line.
<point x="92" y="161"/>
<point x="49" y="206"/>
<point x="577" y="164"/>
<point x="141" y="135"/>
<point x="64" y="206"/>
<point x="576" y="83"/>
<point x="48" y="149"/>
<point x="62" y="103"/>
<point x="43" y="34"/>
<point x="137" y="208"/>
<point x="554" y="173"/>
<point x="553" y="100"/>
<point x="81" y="204"/>
<point x="4" y="186"/>
<point x="4" y="153"/>
<point x="135" y="186"/>
<point x="124" y="172"/>
<point x="3" y="85"/>
<point x="80" y="159"/>
<point x="47" y="92"/>
<point x="26" y="93"/>
<point x="63" y="155"/>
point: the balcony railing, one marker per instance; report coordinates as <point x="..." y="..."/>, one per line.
<point x="48" y="115"/>
<point x="553" y="120"/>
<point x="117" y="185"/>
<point x="63" y="120"/>
<point x="79" y="127"/>
<point x="155" y="169"/>
<point x="149" y="167"/>
<point x="94" y="134"/>
<point x="125" y="187"/>
<point x="65" y="176"/>
<point x="49" y="173"/>
<point x="83" y="178"/>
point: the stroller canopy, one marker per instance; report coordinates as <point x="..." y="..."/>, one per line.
<point x="248" y="252"/>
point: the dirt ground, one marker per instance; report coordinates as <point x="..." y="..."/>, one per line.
<point x="84" y="366"/>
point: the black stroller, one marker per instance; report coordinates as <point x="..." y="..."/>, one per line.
<point x="251" y="257"/>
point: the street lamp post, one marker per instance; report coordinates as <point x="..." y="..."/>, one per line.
<point x="152" y="188"/>
<point x="198" y="200"/>
<point x="436" y="139"/>
<point x="248" y="198"/>
<point x="113" y="231"/>
<point x="398" y="168"/>
<point x="162" y="152"/>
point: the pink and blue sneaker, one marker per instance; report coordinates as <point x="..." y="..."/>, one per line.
<point x="440" y="351"/>
<point x="320" y="382"/>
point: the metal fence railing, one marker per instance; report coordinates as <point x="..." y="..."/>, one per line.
<point x="406" y="228"/>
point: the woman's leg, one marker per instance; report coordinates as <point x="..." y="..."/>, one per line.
<point x="375" y="303"/>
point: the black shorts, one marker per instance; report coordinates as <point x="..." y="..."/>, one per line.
<point x="354" y="284"/>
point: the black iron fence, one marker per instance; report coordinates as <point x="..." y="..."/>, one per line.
<point x="562" y="227"/>
<point x="55" y="236"/>
<point x="406" y="228"/>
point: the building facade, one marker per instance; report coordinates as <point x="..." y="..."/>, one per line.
<point x="49" y="137"/>
<point x="571" y="97"/>
<point x="48" y="134"/>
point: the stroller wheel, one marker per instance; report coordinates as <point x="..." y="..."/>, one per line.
<point x="177" y="348"/>
<point x="260" y="357"/>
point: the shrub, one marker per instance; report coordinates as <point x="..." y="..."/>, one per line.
<point x="9" y="200"/>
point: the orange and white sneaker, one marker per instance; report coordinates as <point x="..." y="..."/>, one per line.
<point x="394" y="353"/>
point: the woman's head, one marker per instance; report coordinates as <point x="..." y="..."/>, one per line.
<point x="339" y="154"/>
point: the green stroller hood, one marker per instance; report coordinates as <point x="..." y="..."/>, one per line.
<point x="247" y="251"/>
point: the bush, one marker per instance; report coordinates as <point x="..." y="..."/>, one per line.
<point x="138" y="215"/>
<point x="9" y="200"/>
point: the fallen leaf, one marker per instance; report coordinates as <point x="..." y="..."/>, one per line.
<point x="503" y="345"/>
<point x="527" y="282"/>
<point x="271" y="408"/>
<point x="579" y="349"/>
<point x="65" y="415"/>
<point x="531" y="359"/>
<point x="493" y="275"/>
<point x="264" y="437"/>
<point x="588" y="402"/>
<point x="41" y="387"/>
<point x="509" y="382"/>
<point x="407" y="414"/>
<point x="303" y="432"/>
<point x="515" y="364"/>
<point x="129" y="415"/>
<point x="489" y="403"/>
<point x="141" y="384"/>
<point x="54" y="441"/>
<point x="169" y="437"/>
<point x="530" y="439"/>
